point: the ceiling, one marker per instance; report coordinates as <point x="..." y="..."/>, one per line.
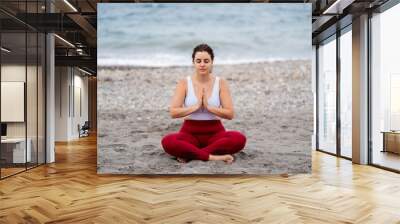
<point x="332" y="15"/>
<point x="76" y="40"/>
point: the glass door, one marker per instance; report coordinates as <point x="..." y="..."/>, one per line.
<point x="346" y="93"/>
<point x="385" y="89"/>
<point x="327" y="96"/>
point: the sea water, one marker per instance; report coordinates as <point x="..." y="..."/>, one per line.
<point x="149" y="34"/>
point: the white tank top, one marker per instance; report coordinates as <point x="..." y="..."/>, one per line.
<point x="191" y="99"/>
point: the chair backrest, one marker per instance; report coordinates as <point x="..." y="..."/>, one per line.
<point x="86" y="125"/>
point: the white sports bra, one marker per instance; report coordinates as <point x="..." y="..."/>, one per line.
<point x="191" y="99"/>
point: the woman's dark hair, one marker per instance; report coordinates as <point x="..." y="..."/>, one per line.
<point x="203" y="47"/>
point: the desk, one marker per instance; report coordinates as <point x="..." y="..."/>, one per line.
<point x="391" y="141"/>
<point x="16" y="148"/>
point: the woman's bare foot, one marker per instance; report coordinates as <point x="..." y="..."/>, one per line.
<point x="226" y="158"/>
<point x="181" y="160"/>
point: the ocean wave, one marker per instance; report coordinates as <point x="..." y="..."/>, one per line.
<point x="186" y="62"/>
<point x="128" y="34"/>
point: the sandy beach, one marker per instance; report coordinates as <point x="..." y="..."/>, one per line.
<point x="273" y="106"/>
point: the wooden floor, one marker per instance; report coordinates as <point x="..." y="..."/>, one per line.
<point x="10" y="171"/>
<point x="70" y="191"/>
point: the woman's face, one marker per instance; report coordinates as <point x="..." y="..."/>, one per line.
<point x="202" y="62"/>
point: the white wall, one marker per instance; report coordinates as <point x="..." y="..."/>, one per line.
<point x="12" y="101"/>
<point x="70" y="83"/>
<point x="61" y="103"/>
<point x="33" y="126"/>
<point x="14" y="73"/>
<point x="18" y="73"/>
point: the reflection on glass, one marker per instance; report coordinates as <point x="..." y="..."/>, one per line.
<point x="14" y="153"/>
<point x="395" y="102"/>
<point x="31" y="101"/>
<point x="22" y="90"/>
<point x="32" y="85"/>
<point x="41" y="98"/>
<point x="386" y="89"/>
<point x="346" y="94"/>
<point x="327" y="97"/>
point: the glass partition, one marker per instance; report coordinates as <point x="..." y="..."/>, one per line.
<point x="385" y="89"/>
<point x="346" y="93"/>
<point x="41" y="109"/>
<point x="22" y="67"/>
<point x="13" y="109"/>
<point x="31" y="100"/>
<point x="32" y="85"/>
<point x="327" y="96"/>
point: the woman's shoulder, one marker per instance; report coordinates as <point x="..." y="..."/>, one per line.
<point x="183" y="81"/>
<point x="222" y="81"/>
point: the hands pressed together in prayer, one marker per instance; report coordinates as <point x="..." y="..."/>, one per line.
<point x="203" y="102"/>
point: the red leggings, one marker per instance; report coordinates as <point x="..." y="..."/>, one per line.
<point x="197" y="139"/>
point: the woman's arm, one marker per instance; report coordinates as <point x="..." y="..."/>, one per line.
<point x="176" y="110"/>
<point x="226" y="111"/>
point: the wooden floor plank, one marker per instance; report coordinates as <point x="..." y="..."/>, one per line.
<point x="70" y="191"/>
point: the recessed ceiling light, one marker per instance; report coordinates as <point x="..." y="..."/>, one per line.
<point x="338" y="6"/>
<point x="86" y="72"/>
<point x="5" y="49"/>
<point x="70" y="5"/>
<point x="64" y="40"/>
